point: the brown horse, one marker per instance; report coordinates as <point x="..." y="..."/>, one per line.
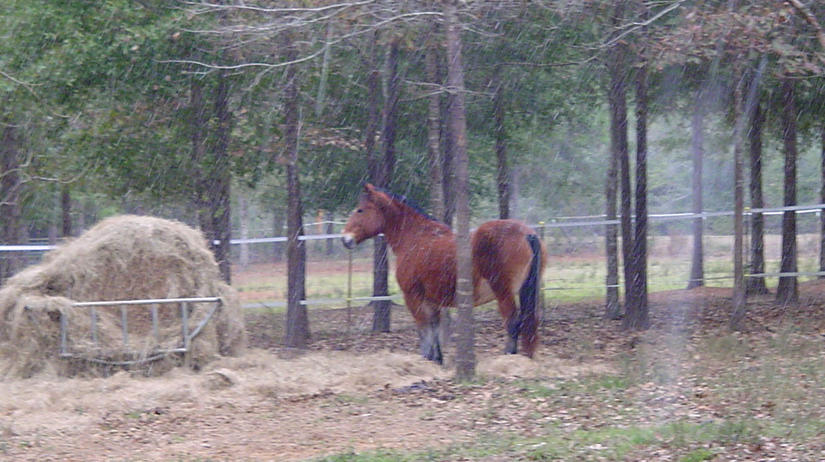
<point x="508" y="257"/>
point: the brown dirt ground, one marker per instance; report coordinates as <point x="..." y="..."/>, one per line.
<point x="354" y="391"/>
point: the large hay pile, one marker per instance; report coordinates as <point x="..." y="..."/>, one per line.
<point x="122" y="258"/>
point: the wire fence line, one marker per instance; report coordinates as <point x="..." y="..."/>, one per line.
<point x="582" y="221"/>
<point x="554" y="222"/>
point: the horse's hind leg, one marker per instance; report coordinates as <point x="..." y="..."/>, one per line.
<point x="509" y="312"/>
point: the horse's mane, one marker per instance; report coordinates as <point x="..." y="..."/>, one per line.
<point x="409" y="203"/>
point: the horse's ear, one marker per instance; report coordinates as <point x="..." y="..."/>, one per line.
<point x="376" y="196"/>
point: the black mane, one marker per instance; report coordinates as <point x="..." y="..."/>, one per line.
<point x="409" y="203"/>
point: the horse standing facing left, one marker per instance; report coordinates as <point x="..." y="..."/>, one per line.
<point x="508" y="258"/>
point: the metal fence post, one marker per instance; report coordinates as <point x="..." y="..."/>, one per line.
<point x="349" y="291"/>
<point x="64" y="327"/>
<point x="124" y="325"/>
<point x="93" y="316"/>
<point x="155" y="332"/>
<point x="184" y="315"/>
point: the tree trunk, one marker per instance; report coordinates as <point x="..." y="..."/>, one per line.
<point x="618" y="164"/>
<point x="10" y="191"/>
<point x="756" y="285"/>
<point x="54" y="220"/>
<point x="636" y="315"/>
<point x="786" y="290"/>
<point x="618" y="121"/>
<point x="221" y="180"/>
<point x="465" y="331"/>
<point x="738" y="207"/>
<point x="66" y="210"/>
<point x="822" y="201"/>
<point x="613" y="309"/>
<point x="297" y="322"/>
<point x="435" y="159"/>
<point x="697" y="142"/>
<point x="373" y="110"/>
<point x="243" y="255"/>
<point x="449" y="161"/>
<point x="380" y="269"/>
<point x="380" y="282"/>
<point x="500" y="133"/>
<point x="209" y="190"/>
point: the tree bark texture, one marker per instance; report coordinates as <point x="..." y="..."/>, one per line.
<point x="66" y="211"/>
<point x="822" y="201"/>
<point x="618" y="167"/>
<point x="434" y="156"/>
<point x="10" y="191"/>
<point x="297" y="322"/>
<point x="449" y="159"/>
<point x="738" y="208"/>
<point x="787" y="290"/>
<point x="385" y="167"/>
<point x="380" y="268"/>
<point x="465" y="330"/>
<point x="613" y="309"/>
<point x="220" y="181"/>
<point x="500" y="134"/>
<point x="211" y="169"/>
<point x="697" y="127"/>
<point x="637" y="312"/>
<point x="618" y="117"/>
<point x="756" y="285"/>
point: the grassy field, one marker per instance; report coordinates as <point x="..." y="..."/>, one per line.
<point x="684" y="391"/>
<point x="567" y="279"/>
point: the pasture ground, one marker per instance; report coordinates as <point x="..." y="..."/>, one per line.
<point x="687" y="389"/>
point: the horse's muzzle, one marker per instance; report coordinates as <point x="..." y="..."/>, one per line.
<point x="348" y="241"/>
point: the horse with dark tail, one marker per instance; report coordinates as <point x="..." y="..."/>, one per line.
<point x="508" y="260"/>
<point x="529" y="299"/>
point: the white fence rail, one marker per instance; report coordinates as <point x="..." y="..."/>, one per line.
<point x="556" y="222"/>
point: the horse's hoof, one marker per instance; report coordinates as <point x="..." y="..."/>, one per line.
<point x="511" y="348"/>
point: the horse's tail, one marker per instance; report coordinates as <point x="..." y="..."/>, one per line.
<point x="528" y="300"/>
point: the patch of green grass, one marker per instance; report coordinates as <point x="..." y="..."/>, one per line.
<point x="606" y="443"/>
<point x="619" y="443"/>
<point x="380" y="455"/>
<point x="698" y="455"/>
<point x="539" y="390"/>
<point x="610" y="382"/>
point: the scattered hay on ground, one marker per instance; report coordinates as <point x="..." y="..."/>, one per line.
<point x="122" y="258"/>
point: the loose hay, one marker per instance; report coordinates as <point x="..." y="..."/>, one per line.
<point x="122" y="258"/>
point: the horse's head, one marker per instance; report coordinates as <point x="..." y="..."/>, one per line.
<point x="367" y="220"/>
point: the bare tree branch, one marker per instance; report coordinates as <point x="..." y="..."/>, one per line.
<point x="634" y="26"/>
<point x="809" y="17"/>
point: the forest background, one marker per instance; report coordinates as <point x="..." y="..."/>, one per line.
<point x="256" y="118"/>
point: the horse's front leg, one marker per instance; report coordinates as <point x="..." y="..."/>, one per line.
<point x="430" y="341"/>
<point x="428" y="320"/>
